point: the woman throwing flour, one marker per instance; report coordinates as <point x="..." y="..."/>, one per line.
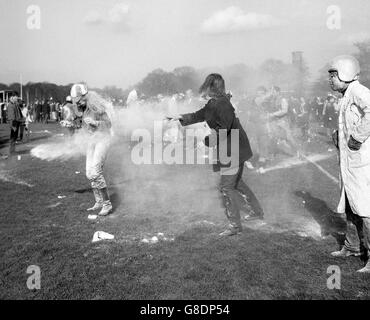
<point x="233" y="150"/>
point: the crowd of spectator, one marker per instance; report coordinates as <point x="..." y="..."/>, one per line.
<point x="18" y="114"/>
<point x="305" y="114"/>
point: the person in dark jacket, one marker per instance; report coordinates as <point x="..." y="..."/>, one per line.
<point x="38" y="110"/>
<point x="45" y="111"/>
<point x="233" y="149"/>
<point x="15" y="120"/>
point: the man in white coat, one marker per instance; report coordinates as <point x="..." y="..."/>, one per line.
<point x="354" y="149"/>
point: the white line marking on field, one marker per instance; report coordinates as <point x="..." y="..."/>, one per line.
<point x="43" y="131"/>
<point x="303" y="227"/>
<point x="6" y="177"/>
<point x="335" y="180"/>
<point x="293" y="162"/>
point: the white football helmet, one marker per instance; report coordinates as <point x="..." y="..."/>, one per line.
<point x="348" y="68"/>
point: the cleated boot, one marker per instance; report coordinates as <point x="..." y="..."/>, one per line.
<point x="252" y="216"/>
<point x="231" y="231"/>
<point x="344" y="253"/>
<point x="365" y="269"/>
<point x="98" y="200"/>
<point x="107" y="207"/>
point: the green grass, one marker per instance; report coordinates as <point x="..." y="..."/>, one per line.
<point x="261" y="263"/>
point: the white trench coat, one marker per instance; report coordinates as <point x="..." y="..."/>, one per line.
<point x="354" y="119"/>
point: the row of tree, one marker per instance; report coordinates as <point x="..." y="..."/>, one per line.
<point x="321" y="86"/>
<point x="45" y="91"/>
<point x="240" y="79"/>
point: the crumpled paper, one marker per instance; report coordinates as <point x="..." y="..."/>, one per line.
<point x="101" y="235"/>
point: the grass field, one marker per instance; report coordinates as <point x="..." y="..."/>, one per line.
<point x="285" y="258"/>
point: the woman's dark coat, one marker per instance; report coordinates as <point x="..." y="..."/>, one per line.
<point x="220" y="114"/>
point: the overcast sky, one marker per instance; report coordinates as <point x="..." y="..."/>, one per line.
<point x="113" y="42"/>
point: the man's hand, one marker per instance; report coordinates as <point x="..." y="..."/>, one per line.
<point x="335" y="138"/>
<point x="173" y="118"/>
<point x="353" y="144"/>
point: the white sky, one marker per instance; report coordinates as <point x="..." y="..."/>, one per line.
<point x="117" y="42"/>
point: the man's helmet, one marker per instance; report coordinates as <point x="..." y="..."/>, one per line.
<point x="348" y="68"/>
<point x="69" y="99"/>
<point x="78" y="90"/>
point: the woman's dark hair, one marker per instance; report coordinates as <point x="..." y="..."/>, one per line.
<point x="214" y="85"/>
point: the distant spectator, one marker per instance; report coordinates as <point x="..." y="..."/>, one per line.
<point x="45" y="111"/>
<point x="31" y="111"/>
<point x="22" y="125"/>
<point x="330" y="115"/>
<point x="320" y="108"/>
<point x="15" y="118"/>
<point x="58" y="110"/>
<point x="312" y="109"/>
<point x="258" y="127"/>
<point x="38" y="111"/>
<point x="3" y="111"/>
<point x="52" y="112"/>
<point x="293" y="110"/>
<point x="24" y="128"/>
<point x="132" y="97"/>
<point x="303" y="118"/>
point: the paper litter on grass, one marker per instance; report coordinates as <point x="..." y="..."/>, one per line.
<point x="54" y="205"/>
<point x="101" y="235"/>
<point x="155" y="239"/>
